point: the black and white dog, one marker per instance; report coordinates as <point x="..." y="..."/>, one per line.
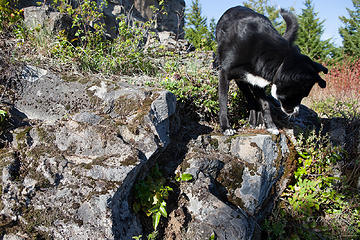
<point x="253" y="53"/>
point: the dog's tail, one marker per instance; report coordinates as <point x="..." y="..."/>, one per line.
<point x="292" y="25"/>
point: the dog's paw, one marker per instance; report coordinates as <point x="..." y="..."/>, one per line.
<point x="261" y="126"/>
<point x="229" y="132"/>
<point x="274" y="131"/>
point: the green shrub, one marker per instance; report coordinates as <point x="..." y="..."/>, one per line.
<point x="318" y="204"/>
<point x="196" y="86"/>
<point x="150" y="196"/>
<point x="9" y="15"/>
<point x="90" y="48"/>
<point x="335" y="108"/>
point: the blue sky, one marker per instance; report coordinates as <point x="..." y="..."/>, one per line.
<point x="328" y="10"/>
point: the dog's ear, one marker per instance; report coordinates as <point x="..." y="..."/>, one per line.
<point x="321" y="82"/>
<point x="320" y="68"/>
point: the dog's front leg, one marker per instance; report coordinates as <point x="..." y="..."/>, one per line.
<point x="223" y="100"/>
<point x="270" y="125"/>
<point x="265" y="105"/>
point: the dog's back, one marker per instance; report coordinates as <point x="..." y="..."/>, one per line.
<point x="253" y="23"/>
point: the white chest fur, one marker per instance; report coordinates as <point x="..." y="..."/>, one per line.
<point x="256" y="80"/>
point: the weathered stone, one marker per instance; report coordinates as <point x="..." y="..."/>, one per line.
<point x="75" y="166"/>
<point x="232" y="182"/>
<point x="141" y="10"/>
<point x="44" y="17"/>
<point x="210" y="214"/>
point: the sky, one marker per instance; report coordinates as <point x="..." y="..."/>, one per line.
<point x="328" y="10"/>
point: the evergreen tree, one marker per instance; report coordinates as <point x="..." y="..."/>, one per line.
<point x="351" y="32"/>
<point x="309" y="34"/>
<point x="196" y="30"/>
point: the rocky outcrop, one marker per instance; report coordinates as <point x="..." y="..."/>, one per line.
<point x="79" y="144"/>
<point x="44" y="18"/>
<point x="236" y="180"/>
<point x="142" y="10"/>
<point x="77" y="153"/>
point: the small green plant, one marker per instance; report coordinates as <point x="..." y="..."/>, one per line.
<point x="275" y="229"/>
<point x="9" y="15"/>
<point x="184" y="177"/>
<point x="3" y="120"/>
<point x="150" y="197"/>
<point x="3" y="115"/>
<point x="212" y="236"/>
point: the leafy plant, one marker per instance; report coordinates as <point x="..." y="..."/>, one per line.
<point x="3" y="120"/>
<point x="334" y="108"/>
<point x="150" y="197"/>
<point x="9" y="15"/>
<point x="317" y="201"/>
<point x="3" y="115"/>
<point x="184" y="177"/>
<point x="91" y="49"/>
<point x="137" y="237"/>
<point x="194" y="86"/>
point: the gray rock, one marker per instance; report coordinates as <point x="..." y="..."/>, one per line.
<point x="232" y="181"/>
<point x="87" y="117"/>
<point x="210" y="214"/>
<point x="73" y="168"/>
<point x="32" y="74"/>
<point x="142" y="10"/>
<point x="44" y="17"/>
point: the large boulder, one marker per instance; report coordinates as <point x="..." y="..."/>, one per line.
<point x="235" y="182"/>
<point x="44" y="18"/>
<point x="71" y="165"/>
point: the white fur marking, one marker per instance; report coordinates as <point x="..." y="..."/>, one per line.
<point x="256" y="80"/>
<point x="229" y="132"/>
<point x="294" y="113"/>
<point x="296" y="110"/>
<point x="273" y="91"/>
<point x="273" y="131"/>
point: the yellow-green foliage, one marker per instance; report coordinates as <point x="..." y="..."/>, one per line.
<point x="9" y="16"/>
<point x="319" y="204"/>
<point x="150" y="196"/>
<point x="91" y="49"/>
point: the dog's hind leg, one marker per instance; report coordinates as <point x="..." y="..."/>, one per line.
<point x="223" y="100"/>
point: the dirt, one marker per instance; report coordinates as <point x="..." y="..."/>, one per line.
<point x="177" y="221"/>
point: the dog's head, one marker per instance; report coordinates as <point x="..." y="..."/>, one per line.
<point x="294" y="81"/>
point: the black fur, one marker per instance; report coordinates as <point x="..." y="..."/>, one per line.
<point x="248" y="43"/>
